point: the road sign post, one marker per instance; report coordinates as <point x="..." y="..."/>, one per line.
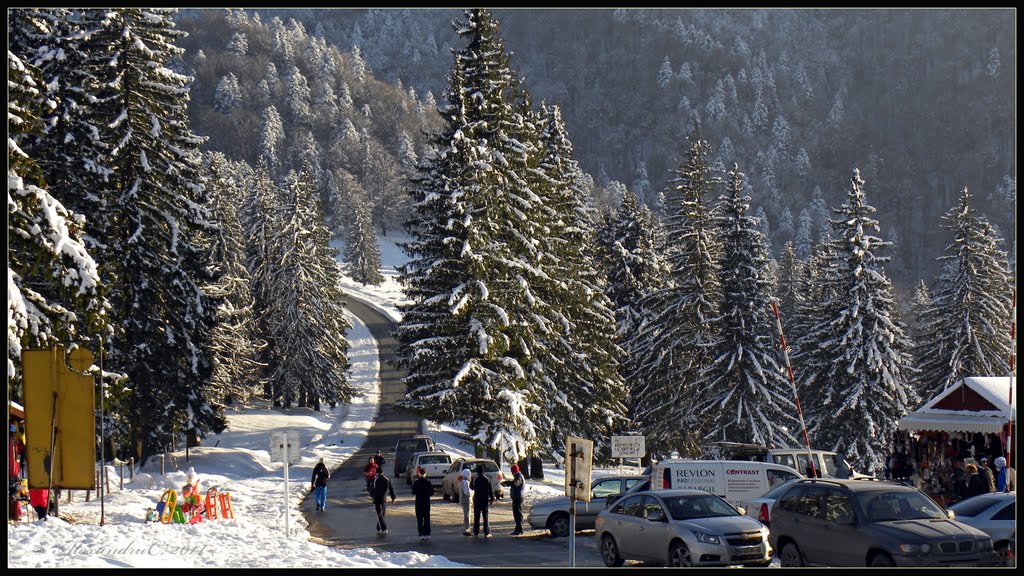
<point x="284" y="447"/>
<point x="579" y="458"/>
<point x="627" y="447"/>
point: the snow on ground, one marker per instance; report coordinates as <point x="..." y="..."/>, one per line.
<point x="388" y="295"/>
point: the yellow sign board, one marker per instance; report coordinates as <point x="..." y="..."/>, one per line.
<point x="60" y="420"/>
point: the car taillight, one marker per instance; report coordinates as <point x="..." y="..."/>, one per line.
<point x="762" y="516"/>
<point x="500" y="477"/>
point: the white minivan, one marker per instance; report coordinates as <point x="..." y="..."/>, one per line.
<point x="736" y="481"/>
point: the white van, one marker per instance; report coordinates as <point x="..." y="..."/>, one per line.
<point x="736" y="481"/>
<point x="796" y="458"/>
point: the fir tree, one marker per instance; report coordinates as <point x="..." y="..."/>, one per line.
<point x="306" y="307"/>
<point x="155" y="249"/>
<point x="467" y="337"/>
<point x="361" y="249"/>
<point x="679" y="327"/>
<point x="863" y="350"/>
<point x="969" y="324"/>
<point x="747" y="398"/>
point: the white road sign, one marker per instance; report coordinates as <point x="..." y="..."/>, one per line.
<point x="628" y="447"/>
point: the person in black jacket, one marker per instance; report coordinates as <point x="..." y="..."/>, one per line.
<point x="516" y="492"/>
<point x="422" y="489"/>
<point x="381" y="488"/>
<point x="379" y="459"/>
<point x="318" y="482"/>
<point x="483" y="496"/>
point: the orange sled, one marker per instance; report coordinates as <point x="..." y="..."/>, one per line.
<point x="211" y="504"/>
<point x="226" y="511"/>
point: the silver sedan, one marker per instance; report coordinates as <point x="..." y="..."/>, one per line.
<point x="680" y="528"/>
<point x="994" y="514"/>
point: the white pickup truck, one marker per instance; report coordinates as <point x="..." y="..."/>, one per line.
<point x="435" y="464"/>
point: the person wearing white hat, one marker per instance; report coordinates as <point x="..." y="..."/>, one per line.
<point x="1006" y="477"/>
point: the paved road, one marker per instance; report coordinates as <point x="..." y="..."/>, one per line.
<point x="349" y="521"/>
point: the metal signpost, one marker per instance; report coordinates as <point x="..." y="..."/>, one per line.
<point x="627" y="447"/>
<point x="579" y="455"/>
<point x="284" y="447"/>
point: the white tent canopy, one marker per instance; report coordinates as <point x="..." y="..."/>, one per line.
<point x="990" y="411"/>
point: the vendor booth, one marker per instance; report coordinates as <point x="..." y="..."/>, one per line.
<point x="972" y="418"/>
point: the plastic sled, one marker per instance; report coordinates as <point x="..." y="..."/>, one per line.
<point x="167" y="505"/>
<point x="226" y="511"/>
<point x="211" y="504"/>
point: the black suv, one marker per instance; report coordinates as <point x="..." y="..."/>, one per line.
<point x="867" y="522"/>
<point x="406" y="447"/>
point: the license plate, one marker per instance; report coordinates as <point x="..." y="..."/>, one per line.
<point x="745" y="550"/>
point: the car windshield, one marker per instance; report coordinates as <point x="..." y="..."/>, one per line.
<point x="488" y="466"/>
<point x="881" y="506"/>
<point x="774" y="493"/>
<point x="411" y="445"/>
<point x="435" y="459"/>
<point x="700" y="506"/>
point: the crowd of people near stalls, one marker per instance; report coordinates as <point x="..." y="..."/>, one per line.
<point x="950" y="467"/>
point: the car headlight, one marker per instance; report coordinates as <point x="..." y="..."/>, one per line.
<point x="915" y="548"/>
<point x="707" y="538"/>
<point x="985" y="544"/>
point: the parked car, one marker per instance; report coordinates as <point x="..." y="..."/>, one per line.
<point x="867" y="522"/>
<point x="450" y="487"/>
<point x="435" y="464"/>
<point x="406" y="447"/>
<point x="553" y="513"/>
<point x="994" y="514"/>
<point x="761" y="507"/>
<point x="796" y="458"/>
<point x="680" y="528"/>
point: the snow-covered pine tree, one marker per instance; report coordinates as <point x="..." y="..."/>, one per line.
<point x="262" y="217"/>
<point x="362" y="252"/>
<point x="969" y="324"/>
<point x="306" y="306"/>
<point x="679" y="329"/>
<point x="817" y="285"/>
<point x="581" y="370"/>
<point x="917" y="310"/>
<point x="467" y="338"/>
<point x="235" y="343"/>
<point x="787" y="285"/>
<point x="154" y="249"/>
<point x="53" y="284"/>
<point x="861" y="345"/>
<point x="746" y="397"/>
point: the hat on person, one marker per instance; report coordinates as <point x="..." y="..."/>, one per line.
<point x="1000" y="462"/>
<point x="984" y="459"/>
<point x="515" y="468"/>
<point x="971" y="469"/>
<point x="186" y="488"/>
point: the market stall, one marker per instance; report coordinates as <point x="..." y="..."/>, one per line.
<point x="972" y="418"/>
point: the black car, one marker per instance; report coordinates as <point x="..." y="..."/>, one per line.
<point x="866" y="522"/>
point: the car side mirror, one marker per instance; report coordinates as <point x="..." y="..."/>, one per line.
<point x="656" y="516"/>
<point x="741" y="510"/>
<point x="951" y="514"/>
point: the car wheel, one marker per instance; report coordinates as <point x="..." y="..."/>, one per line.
<point x="679" y="555"/>
<point x="610" y="552"/>
<point x="882" y="560"/>
<point x="444" y="493"/>
<point x="790" y="556"/>
<point x="455" y="497"/>
<point x="558" y="525"/>
<point x="1003" y="552"/>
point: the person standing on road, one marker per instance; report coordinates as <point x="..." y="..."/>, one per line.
<point x="370" y="472"/>
<point x="381" y="488"/>
<point x="379" y="459"/>
<point x="483" y="496"/>
<point x="465" y="490"/>
<point x="1006" y="479"/>
<point x="422" y="489"/>
<point x="517" y="499"/>
<point x="318" y="482"/>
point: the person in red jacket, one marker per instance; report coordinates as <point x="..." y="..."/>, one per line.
<point x="191" y="504"/>
<point x="370" y="472"/>
<point x="39" y="498"/>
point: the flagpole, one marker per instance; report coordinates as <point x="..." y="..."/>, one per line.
<point x="1013" y="357"/>
<point x="792" y="384"/>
